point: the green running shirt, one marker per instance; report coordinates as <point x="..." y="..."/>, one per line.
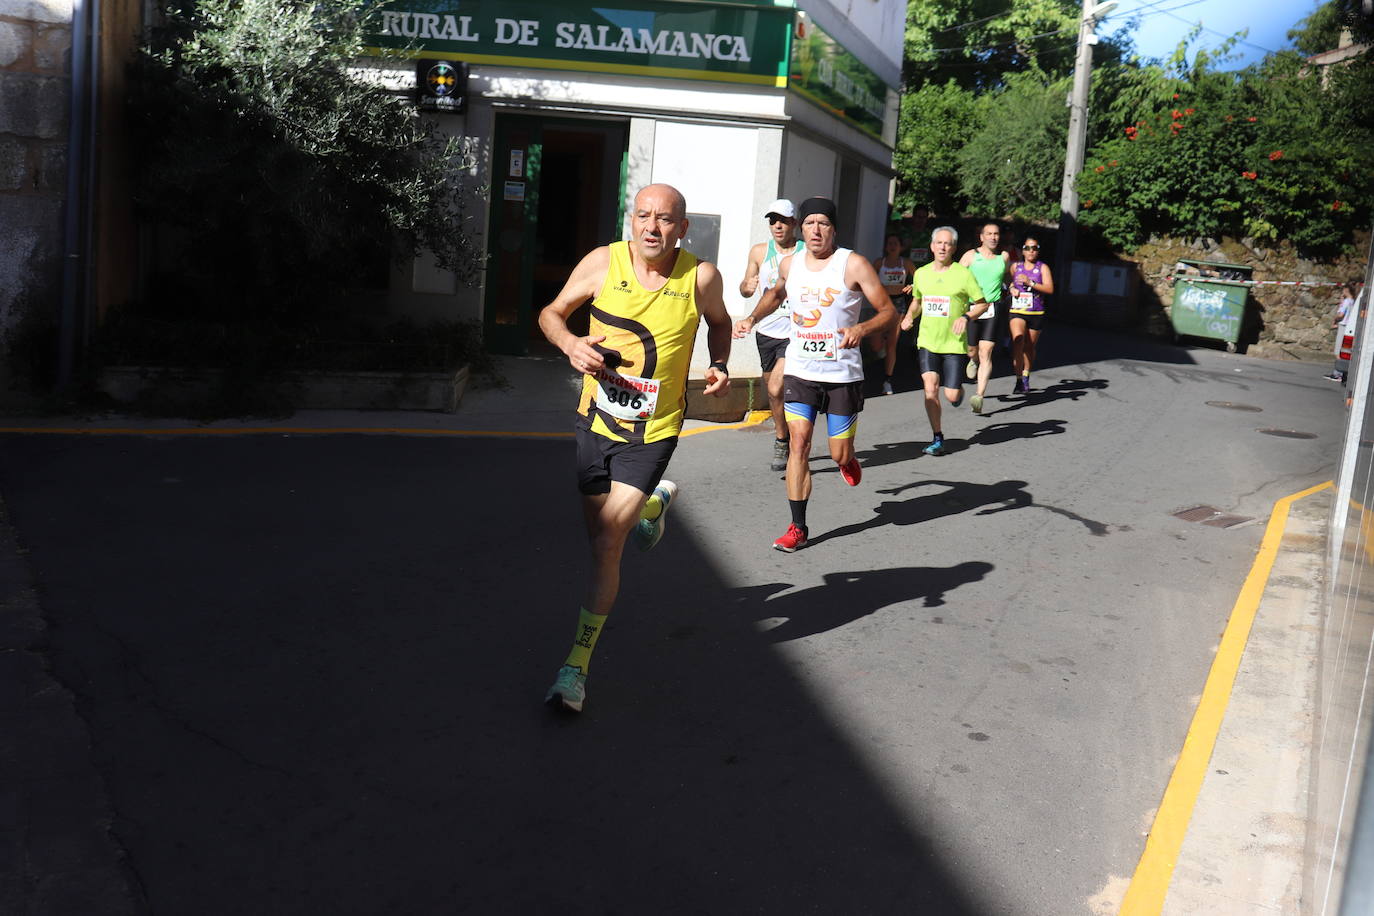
<point x="943" y="297"/>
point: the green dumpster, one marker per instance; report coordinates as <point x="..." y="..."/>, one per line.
<point x="1209" y="300"/>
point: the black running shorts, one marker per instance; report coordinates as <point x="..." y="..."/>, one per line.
<point x="981" y="329"/>
<point x="949" y="366"/>
<point x="1033" y="322"/>
<point x="771" y="349"/>
<point x="601" y="460"/>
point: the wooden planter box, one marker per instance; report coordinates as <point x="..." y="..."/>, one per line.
<point x="318" y="389"/>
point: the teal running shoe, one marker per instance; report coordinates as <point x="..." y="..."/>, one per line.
<point x="569" y="689"/>
<point x="935" y="448"/>
<point x="649" y="532"/>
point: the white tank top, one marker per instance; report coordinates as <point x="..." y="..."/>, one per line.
<point x="892" y="276"/>
<point x="778" y="324"/>
<point x="821" y="305"/>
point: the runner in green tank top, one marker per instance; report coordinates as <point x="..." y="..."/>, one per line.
<point x="990" y="267"/>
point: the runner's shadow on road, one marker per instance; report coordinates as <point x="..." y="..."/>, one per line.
<point x="958" y="496"/>
<point x="847" y="596"/>
<point x="1064" y="390"/>
<point x="1002" y="433"/>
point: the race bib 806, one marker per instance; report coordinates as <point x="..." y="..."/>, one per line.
<point x="626" y="397"/>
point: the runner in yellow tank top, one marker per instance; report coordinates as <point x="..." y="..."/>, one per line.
<point x="650" y="335"/>
<point x="649" y="296"/>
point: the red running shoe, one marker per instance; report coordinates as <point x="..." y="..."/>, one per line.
<point x="792" y="540"/>
<point x="852" y="472"/>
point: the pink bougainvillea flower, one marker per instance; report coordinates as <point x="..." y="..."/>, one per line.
<point x="1252" y="119"/>
<point x="1189" y="111"/>
<point x="1113" y="163"/>
<point x="1228" y="117"/>
<point x="1175" y="95"/>
<point x="1087" y="203"/>
<point x="1335" y="205"/>
<point x="1250" y="175"/>
<point x="1276" y="155"/>
<point x="1100" y="169"/>
<point x="1177" y="114"/>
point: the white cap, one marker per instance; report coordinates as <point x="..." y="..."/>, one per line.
<point x="782" y="207"/>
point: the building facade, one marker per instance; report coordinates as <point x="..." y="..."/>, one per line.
<point x="569" y="109"/>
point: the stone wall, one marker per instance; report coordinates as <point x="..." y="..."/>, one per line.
<point x="35" y="44"/>
<point x="1287" y="322"/>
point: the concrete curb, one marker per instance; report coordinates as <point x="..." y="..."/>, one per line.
<point x="1243" y="852"/>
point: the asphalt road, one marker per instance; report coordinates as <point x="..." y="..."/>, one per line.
<point x="312" y="665"/>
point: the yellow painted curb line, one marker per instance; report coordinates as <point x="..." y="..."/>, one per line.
<point x="1150" y="884"/>
<point x="755" y="417"/>
<point x="270" y="430"/>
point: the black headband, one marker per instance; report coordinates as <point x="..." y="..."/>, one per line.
<point x="821" y="205"/>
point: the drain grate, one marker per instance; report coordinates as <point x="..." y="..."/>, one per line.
<point x="1212" y="517"/>
<point x="1230" y="406"/>
<point x="1287" y="433"/>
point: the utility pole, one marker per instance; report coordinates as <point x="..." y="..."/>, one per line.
<point x="1078" y="136"/>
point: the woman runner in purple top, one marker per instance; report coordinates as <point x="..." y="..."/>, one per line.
<point x="1031" y="281"/>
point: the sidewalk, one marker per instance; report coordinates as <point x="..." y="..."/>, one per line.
<point x="1243" y="852"/>
<point x="536" y="396"/>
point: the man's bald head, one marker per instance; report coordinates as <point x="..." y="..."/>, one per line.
<point x="665" y="195"/>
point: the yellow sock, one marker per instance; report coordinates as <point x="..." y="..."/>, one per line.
<point x="588" y="629"/>
<point x="653" y="508"/>
<point x="1026" y="373"/>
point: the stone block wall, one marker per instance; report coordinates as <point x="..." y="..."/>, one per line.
<point x="1287" y="322"/>
<point x="35" y="49"/>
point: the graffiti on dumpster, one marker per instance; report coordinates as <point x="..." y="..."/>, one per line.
<point x="1210" y="307"/>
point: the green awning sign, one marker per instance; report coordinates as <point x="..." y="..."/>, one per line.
<point x="704" y="41"/>
<point x="825" y="73"/>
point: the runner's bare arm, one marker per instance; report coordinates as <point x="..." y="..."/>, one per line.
<point x="769" y="301"/>
<point x="1048" y="285"/>
<point x="975" y="310"/>
<point x="858" y="272"/>
<point x="584" y="283"/>
<point x="913" y="309"/>
<point x="967" y="259"/>
<point x="711" y="302"/>
<point x="751" y="270"/>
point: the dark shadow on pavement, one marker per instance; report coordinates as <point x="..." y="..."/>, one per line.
<point x="1065" y="389"/>
<point x="312" y="669"/>
<point x="847" y="596"/>
<point x="957" y="496"/>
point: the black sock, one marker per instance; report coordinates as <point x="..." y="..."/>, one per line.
<point x="938" y="436"/>
<point x="783" y="439"/>
<point x="798" y="507"/>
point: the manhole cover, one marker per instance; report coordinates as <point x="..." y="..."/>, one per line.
<point x="1212" y="517"/>
<point x="1230" y="406"/>
<point x="1288" y="433"/>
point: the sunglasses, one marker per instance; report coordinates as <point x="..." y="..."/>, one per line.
<point x="1030" y="247"/>
<point x="774" y="218"/>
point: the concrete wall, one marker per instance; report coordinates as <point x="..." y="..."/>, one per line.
<point x="35" y="38"/>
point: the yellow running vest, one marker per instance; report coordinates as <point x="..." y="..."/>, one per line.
<point x="642" y="399"/>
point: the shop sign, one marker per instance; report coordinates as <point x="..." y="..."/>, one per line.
<point x="441" y="85"/>
<point x="828" y="75"/>
<point x="674" y="38"/>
